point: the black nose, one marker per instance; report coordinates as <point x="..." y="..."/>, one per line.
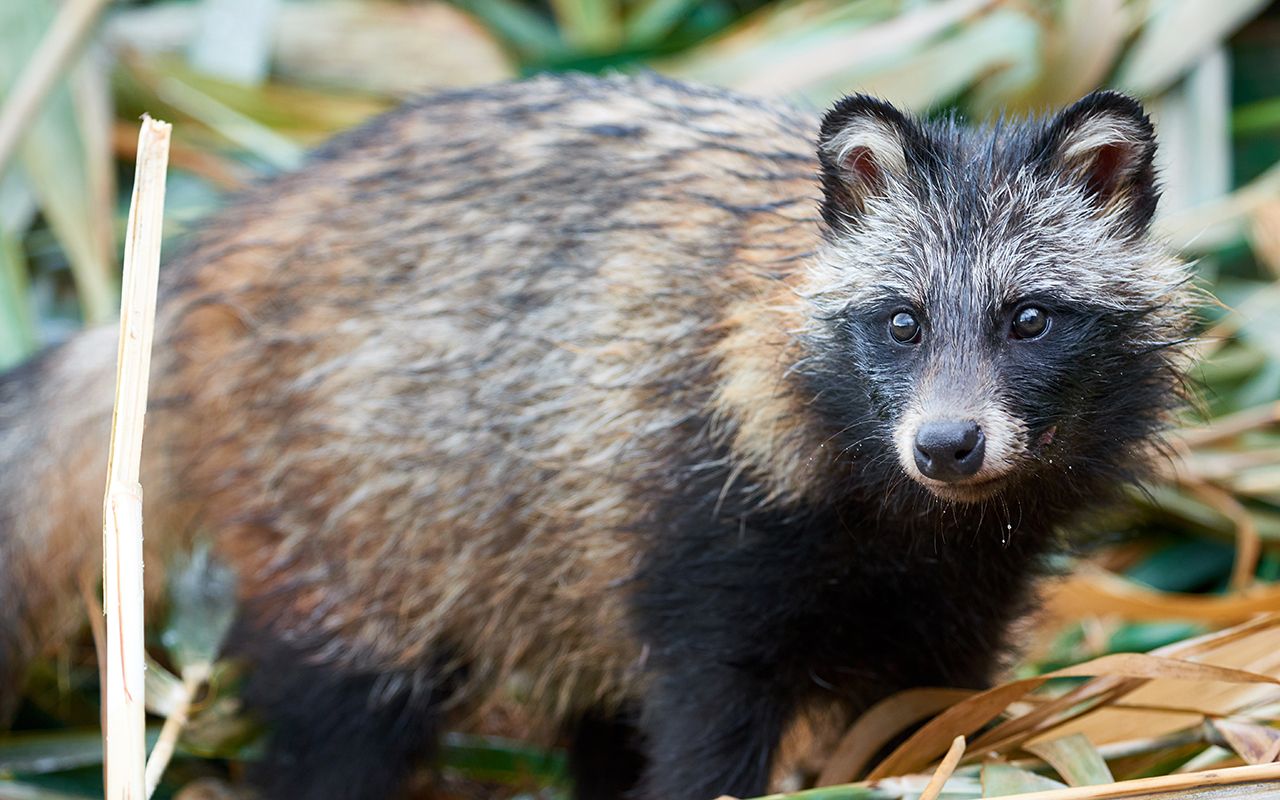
<point x="949" y="451"/>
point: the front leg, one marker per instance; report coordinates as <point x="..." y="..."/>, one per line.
<point x="711" y="730"/>
<point x="718" y="604"/>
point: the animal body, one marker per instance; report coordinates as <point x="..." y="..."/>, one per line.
<point x="679" y="411"/>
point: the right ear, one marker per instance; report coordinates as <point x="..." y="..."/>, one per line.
<point x="1106" y="145"/>
<point x="862" y="147"/>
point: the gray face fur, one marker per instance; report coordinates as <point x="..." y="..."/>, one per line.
<point x="962" y="229"/>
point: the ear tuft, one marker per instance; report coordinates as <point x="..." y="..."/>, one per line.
<point x="1106" y="144"/>
<point x="862" y="147"/>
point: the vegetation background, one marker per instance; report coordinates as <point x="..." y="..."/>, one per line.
<point x="251" y="84"/>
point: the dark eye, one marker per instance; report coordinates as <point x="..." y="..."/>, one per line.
<point x="904" y="328"/>
<point x="1030" y="322"/>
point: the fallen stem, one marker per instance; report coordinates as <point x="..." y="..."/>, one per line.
<point x="193" y="680"/>
<point x="944" y="770"/>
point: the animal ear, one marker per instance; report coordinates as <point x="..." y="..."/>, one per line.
<point x="862" y="147"/>
<point x="1105" y="144"/>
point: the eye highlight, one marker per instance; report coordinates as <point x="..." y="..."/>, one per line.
<point x="904" y="328"/>
<point x="1029" y="322"/>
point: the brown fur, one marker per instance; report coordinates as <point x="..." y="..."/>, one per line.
<point x="338" y="398"/>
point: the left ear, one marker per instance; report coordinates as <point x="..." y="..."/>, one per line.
<point x="1105" y="144"/>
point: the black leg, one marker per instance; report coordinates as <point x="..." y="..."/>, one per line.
<point x="336" y="735"/>
<point x="712" y="732"/>
<point x="12" y="678"/>
<point x="605" y="757"/>
<point x="14" y="647"/>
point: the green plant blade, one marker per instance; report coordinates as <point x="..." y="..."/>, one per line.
<point x="53" y="154"/>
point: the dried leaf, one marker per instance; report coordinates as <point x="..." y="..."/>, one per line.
<point x="1093" y="591"/>
<point x="879" y="726"/>
<point x="1256" y="744"/>
<point x="1075" y="759"/>
<point x="384" y="47"/>
<point x="966" y="717"/>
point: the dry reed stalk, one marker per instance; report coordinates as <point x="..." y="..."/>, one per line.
<point x="1260" y="781"/>
<point x="944" y="770"/>
<point x="125" y="715"/>
<point x="50" y="59"/>
<point x="1248" y="541"/>
<point x="192" y="681"/>
<point x="1232" y="425"/>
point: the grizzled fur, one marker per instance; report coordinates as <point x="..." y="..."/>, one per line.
<point x="585" y="388"/>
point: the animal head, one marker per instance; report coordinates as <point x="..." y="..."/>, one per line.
<point x="988" y="309"/>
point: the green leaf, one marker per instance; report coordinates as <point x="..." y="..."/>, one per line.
<point x="16" y="790"/>
<point x="1184" y="566"/>
<point x="654" y="19"/>
<point x="1142" y="637"/>
<point x="1257" y="118"/>
<point x="235" y="126"/>
<point x="492" y="759"/>
<point x="532" y="36"/>
<point x="1176" y="35"/>
<point x="17" y="328"/>
<point x="844" y="792"/>
<point x="999" y="780"/>
<point x="592" y="26"/>
<point x="162" y="689"/>
<point x="202" y="595"/>
<point x="53" y="155"/>
<point x="41" y="753"/>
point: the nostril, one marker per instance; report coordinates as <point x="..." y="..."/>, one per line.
<point x="949" y="451"/>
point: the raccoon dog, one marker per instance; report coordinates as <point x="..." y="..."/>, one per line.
<point x="676" y="412"/>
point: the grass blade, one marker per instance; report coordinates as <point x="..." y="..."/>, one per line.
<point x="52" y="151"/>
<point x="1174" y="38"/>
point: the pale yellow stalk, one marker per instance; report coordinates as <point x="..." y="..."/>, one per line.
<point x="124" y="711"/>
<point x="1261" y="781"/>
<point x="944" y="770"/>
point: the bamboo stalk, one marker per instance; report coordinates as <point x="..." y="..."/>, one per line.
<point x="1265" y="776"/>
<point x="123" y="732"/>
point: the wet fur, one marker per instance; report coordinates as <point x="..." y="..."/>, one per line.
<point x="578" y="388"/>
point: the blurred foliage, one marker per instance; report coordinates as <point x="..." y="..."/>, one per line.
<point x="251" y="84"/>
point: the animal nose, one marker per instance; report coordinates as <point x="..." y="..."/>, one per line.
<point x="949" y="451"/>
